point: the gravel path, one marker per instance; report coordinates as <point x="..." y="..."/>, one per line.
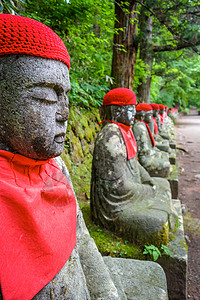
<point x="188" y="138"/>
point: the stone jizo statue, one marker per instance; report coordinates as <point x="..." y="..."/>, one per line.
<point x="124" y="198"/>
<point x="46" y="250"/>
<point x="165" y="131"/>
<point x="156" y="162"/>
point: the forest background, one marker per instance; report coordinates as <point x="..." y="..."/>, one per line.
<point x="151" y="47"/>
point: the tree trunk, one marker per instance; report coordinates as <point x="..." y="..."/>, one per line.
<point x="146" y="54"/>
<point x="123" y="62"/>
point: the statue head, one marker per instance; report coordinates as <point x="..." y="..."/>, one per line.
<point x="34" y="81"/>
<point x="161" y="109"/>
<point x="155" y="108"/>
<point x="145" y="110"/>
<point x="119" y="106"/>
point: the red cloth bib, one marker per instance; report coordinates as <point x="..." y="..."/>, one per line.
<point x="37" y="221"/>
<point x="155" y="125"/>
<point x="149" y="131"/>
<point x="129" y="139"/>
<point x="161" y="119"/>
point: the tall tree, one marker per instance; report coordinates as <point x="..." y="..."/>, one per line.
<point x="124" y="43"/>
<point x="175" y="27"/>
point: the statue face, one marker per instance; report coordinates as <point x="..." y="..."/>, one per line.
<point x="155" y="113"/>
<point x="34" y="106"/>
<point x="140" y="115"/>
<point x="125" y="114"/>
<point x="161" y="111"/>
<point x="148" y="115"/>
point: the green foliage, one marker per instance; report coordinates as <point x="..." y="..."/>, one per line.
<point x="87" y="28"/>
<point x="154" y="252"/>
<point x="11" y="6"/>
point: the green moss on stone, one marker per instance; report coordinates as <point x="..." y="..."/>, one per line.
<point x="89" y="134"/>
<point x="81" y="177"/>
<point x="67" y="161"/>
<point x="85" y="147"/>
<point x="108" y="243"/>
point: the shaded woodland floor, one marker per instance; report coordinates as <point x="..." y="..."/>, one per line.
<point x="188" y="138"/>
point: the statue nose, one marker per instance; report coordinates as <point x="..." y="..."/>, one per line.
<point x="62" y="114"/>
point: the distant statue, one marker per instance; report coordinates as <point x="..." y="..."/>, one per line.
<point x="156" y="162"/>
<point x="161" y="144"/>
<point x="46" y="250"/>
<point x="165" y="131"/>
<point x="124" y="198"/>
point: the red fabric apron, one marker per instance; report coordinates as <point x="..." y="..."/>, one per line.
<point x="155" y="125"/>
<point x="149" y="131"/>
<point x="37" y="221"/>
<point x="128" y="137"/>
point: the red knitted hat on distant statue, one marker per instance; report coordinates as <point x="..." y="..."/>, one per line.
<point x="155" y="106"/>
<point x="161" y="106"/>
<point x="21" y="35"/>
<point x="143" y="107"/>
<point x="120" y="96"/>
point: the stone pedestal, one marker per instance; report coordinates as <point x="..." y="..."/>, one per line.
<point x="175" y="267"/>
<point x="137" y="280"/>
<point x="173" y="181"/>
<point x="172" y="156"/>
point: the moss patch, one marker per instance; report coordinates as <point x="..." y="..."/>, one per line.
<point x="81" y="177"/>
<point x="108" y="243"/>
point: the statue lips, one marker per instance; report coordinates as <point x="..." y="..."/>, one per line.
<point x="60" y="138"/>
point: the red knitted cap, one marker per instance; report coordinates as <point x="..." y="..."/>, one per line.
<point x="161" y="106"/>
<point x="143" y="107"/>
<point x="21" y="35"/>
<point x="155" y="106"/>
<point x="120" y="96"/>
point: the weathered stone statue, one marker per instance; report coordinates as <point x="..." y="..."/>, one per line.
<point x="46" y="250"/>
<point x="156" y="162"/>
<point x="161" y="143"/>
<point x="124" y="198"/>
<point x="163" y="130"/>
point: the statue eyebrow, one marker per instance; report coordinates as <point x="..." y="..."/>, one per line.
<point x="57" y="87"/>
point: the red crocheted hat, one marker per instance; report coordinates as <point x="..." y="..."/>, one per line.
<point x="143" y="107"/>
<point x="21" y="35"/>
<point x="161" y="106"/>
<point x="120" y="96"/>
<point x="155" y="106"/>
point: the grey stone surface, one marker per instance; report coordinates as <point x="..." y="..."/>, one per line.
<point x="175" y="267"/>
<point x="137" y="280"/>
<point x="41" y="85"/>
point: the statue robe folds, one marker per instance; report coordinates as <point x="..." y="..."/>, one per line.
<point x="124" y="198"/>
<point x="151" y="158"/>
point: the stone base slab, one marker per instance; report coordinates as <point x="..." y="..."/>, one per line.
<point x="175" y="267"/>
<point x="136" y="279"/>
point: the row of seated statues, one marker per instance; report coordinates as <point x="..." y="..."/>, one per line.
<point x="46" y="250"/>
<point x="130" y="194"/>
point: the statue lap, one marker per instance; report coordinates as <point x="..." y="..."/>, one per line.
<point x="156" y="162"/>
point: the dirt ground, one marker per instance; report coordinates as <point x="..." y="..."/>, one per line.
<point x="188" y="138"/>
